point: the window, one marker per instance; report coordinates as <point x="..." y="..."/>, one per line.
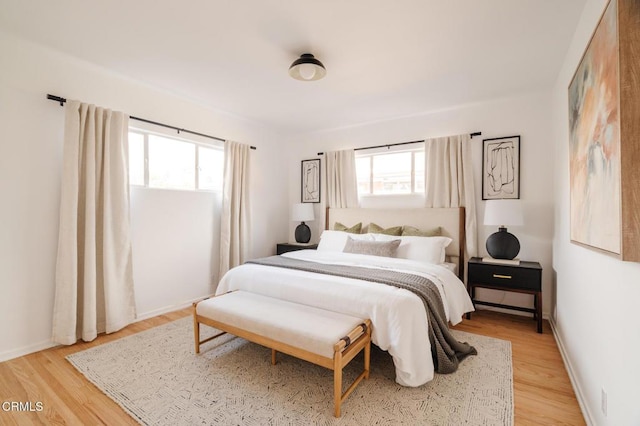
<point x="136" y="158"/>
<point x="395" y="172"/>
<point x="211" y="166"/>
<point x="160" y="161"/>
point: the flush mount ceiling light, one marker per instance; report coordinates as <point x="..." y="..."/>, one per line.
<point x="307" y="68"/>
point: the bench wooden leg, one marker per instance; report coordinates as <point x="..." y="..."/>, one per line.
<point x="339" y="360"/>
<point x="337" y="383"/>
<point x="196" y="331"/>
<point x="273" y="356"/>
<point x="367" y="356"/>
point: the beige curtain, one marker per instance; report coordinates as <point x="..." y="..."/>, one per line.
<point x="234" y="227"/>
<point x="449" y="180"/>
<point x="342" y="184"/>
<point x="94" y="277"/>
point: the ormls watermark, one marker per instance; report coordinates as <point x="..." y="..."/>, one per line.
<point x="15" y="406"/>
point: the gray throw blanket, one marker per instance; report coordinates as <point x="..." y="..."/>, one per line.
<point x="446" y="351"/>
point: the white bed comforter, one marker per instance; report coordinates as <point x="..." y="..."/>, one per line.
<point x="398" y="316"/>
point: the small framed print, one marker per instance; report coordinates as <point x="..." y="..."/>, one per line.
<point x="311" y="181"/>
<point x="501" y="168"/>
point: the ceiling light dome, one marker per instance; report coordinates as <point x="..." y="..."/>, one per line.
<point x="307" y="68"/>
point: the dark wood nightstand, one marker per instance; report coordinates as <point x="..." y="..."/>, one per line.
<point x="286" y="247"/>
<point x="523" y="278"/>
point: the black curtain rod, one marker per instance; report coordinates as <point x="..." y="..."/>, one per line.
<point x="388" y="145"/>
<point x="144" y="120"/>
<point x="400" y="143"/>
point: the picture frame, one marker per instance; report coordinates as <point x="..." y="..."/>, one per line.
<point x="604" y="133"/>
<point x="310" y="181"/>
<point x="501" y="168"/>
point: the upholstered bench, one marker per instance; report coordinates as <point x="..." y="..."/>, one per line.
<point x="322" y="337"/>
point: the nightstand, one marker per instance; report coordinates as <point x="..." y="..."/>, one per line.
<point x="286" y="247"/>
<point x="523" y="278"/>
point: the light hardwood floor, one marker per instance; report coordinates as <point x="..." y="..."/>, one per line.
<point x="542" y="390"/>
<point x="543" y="393"/>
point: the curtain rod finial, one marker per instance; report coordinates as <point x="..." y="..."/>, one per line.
<point x="57" y="99"/>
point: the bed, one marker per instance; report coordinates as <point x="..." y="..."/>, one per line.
<point x="399" y="318"/>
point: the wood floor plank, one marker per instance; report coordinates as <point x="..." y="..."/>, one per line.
<point x="542" y="390"/>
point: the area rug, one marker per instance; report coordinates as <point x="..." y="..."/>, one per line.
<point x="156" y="377"/>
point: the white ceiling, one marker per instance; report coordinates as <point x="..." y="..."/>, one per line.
<point x="384" y="58"/>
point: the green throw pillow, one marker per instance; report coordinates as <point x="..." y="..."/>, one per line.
<point x="410" y="231"/>
<point x="394" y="230"/>
<point x="355" y="229"/>
<point x="372" y="248"/>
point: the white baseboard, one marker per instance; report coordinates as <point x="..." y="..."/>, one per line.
<point x="545" y="315"/>
<point x="588" y="418"/>
<point x="166" y="309"/>
<point x="46" y="344"/>
<point x="26" y="350"/>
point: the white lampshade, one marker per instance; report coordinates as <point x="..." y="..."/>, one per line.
<point x="503" y="212"/>
<point x="302" y="212"/>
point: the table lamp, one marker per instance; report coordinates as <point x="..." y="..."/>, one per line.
<point x="503" y="244"/>
<point x="302" y="212"/>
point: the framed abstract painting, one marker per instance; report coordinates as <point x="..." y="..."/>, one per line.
<point x="310" y="181"/>
<point x="501" y="168"/>
<point x="603" y="137"/>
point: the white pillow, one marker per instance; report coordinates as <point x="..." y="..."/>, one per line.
<point x="423" y="249"/>
<point x="336" y="240"/>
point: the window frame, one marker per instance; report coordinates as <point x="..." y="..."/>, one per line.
<point x="386" y="151"/>
<point x="195" y="140"/>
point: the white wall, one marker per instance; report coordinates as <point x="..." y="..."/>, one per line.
<point x="174" y="239"/>
<point x="527" y="116"/>
<point x="597" y="296"/>
<point x="176" y="262"/>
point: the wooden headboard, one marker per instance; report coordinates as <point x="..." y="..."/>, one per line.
<point x="451" y="220"/>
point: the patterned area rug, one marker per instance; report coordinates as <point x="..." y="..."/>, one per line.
<point x="156" y="377"/>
